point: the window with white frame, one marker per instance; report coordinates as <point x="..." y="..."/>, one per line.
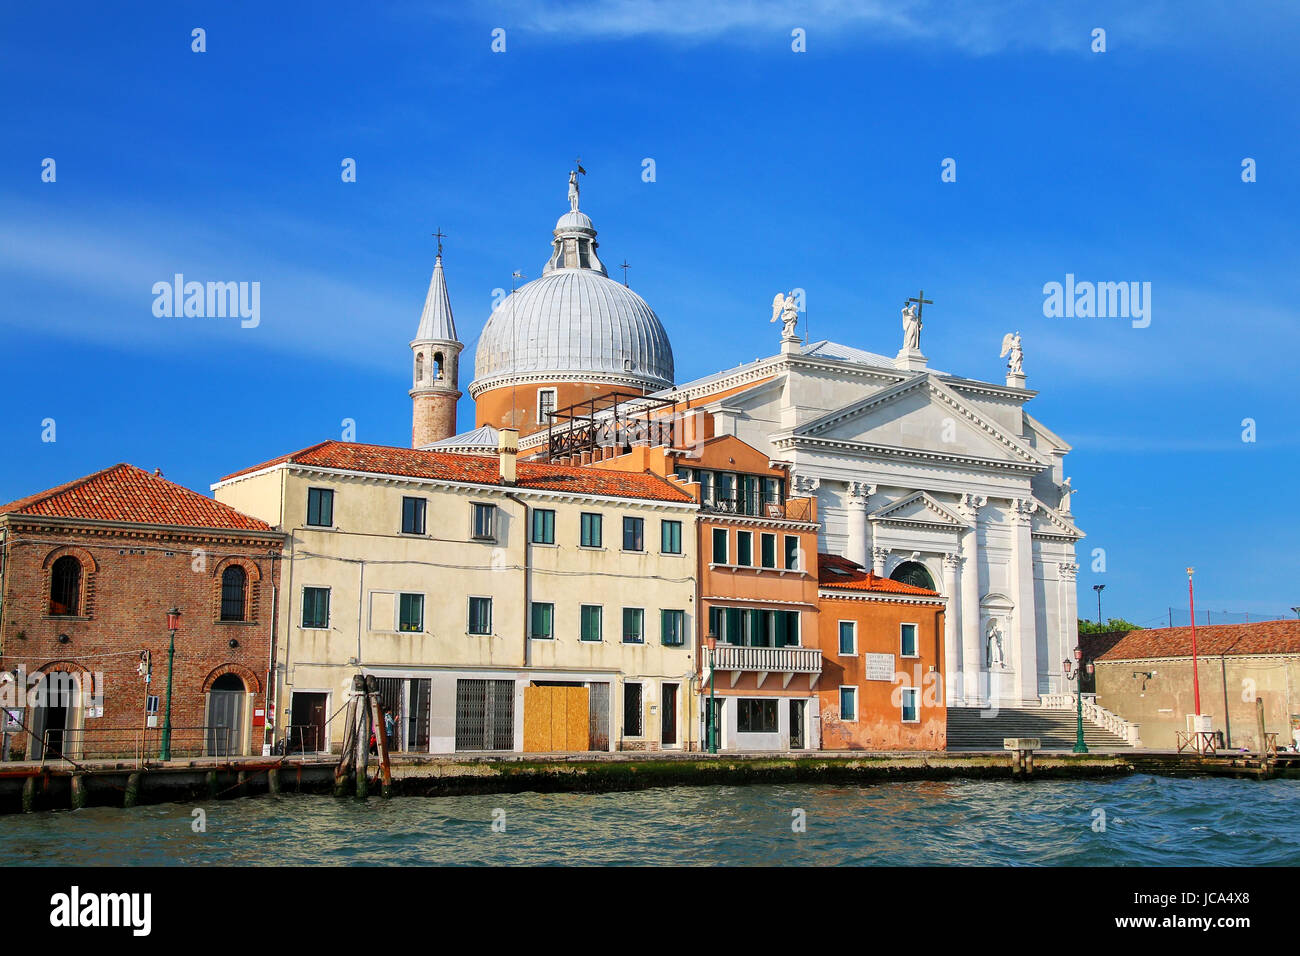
<point x="545" y="405"/>
<point x="907" y="640"/>
<point x="911" y="705"/>
<point x="485" y="522"/>
<point x="410" y="612"/>
<point x="480" y="615"/>
<point x="848" y="703"/>
<point x="848" y="638"/>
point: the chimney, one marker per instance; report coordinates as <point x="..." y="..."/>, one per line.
<point x="508" y="450"/>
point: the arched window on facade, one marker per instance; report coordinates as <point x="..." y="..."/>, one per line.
<point x="419" y="367"/>
<point x="437" y="365"/>
<point x="234" y="591"/>
<point x="65" y="587"/>
<point x="915" y="574"/>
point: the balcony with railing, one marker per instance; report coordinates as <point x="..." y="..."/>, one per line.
<point x="752" y="506"/>
<point x="736" y="660"/>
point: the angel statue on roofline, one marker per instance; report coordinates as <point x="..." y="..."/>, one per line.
<point x="1011" y="346"/>
<point x="785" y="308"/>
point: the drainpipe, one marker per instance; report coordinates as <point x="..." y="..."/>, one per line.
<point x="528" y="554"/>
<point x="271" y="696"/>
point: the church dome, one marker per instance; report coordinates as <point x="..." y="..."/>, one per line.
<point x="574" y="323"/>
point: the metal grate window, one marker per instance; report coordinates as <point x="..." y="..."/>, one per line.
<point x="485" y="715"/>
<point x="234" y="588"/>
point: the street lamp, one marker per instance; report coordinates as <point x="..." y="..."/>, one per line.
<point x="173" y="624"/>
<point x="1196" y="679"/>
<point x="1099" y="588"/>
<point x="1077" y="675"/>
<point x="711" y="723"/>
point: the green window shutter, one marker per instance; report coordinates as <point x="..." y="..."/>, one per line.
<point x="719" y="545"/>
<point x="782" y="629"/>
<point x="769" y="550"/>
<point x="734" y="635"/>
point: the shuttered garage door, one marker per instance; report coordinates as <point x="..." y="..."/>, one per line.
<point x="485" y="715"/>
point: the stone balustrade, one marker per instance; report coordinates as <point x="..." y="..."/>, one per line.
<point x="1096" y="714"/>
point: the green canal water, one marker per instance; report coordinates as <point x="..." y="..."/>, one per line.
<point x="1148" y="821"/>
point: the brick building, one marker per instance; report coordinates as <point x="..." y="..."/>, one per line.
<point x="882" y="645"/>
<point x="88" y="571"/>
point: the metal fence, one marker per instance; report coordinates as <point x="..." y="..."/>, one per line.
<point x="139" y="744"/>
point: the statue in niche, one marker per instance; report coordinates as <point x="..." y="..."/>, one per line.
<point x="993" y="647"/>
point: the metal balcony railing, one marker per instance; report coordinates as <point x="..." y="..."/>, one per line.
<point x="793" y="509"/>
<point x="781" y="660"/>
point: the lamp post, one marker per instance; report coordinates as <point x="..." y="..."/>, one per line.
<point x="1077" y="675"/>
<point x="173" y="624"/>
<point x="1196" y="679"/>
<point x="711" y="723"/>
<point x="1099" y="588"/>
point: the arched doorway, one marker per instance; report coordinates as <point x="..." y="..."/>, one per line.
<point x="225" y="723"/>
<point x="55" y="716"/>
<point x="915" y="574"/>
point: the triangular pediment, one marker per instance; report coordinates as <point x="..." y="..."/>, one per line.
<point x="918" y="508"/>
<point x="922" y="417"/>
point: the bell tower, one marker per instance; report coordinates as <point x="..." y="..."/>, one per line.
<point x="436" y="359"/>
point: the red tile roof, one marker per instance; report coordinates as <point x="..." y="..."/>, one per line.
<point x="839" y="573"/>
<point x="479" y="470"/>
<point x="1212" y="640"/>
<point x="125" y="493"/>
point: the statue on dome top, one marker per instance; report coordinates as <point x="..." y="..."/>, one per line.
<point x="573" y="190"/>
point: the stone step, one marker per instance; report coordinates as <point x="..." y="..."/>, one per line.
<point x="968" y="727"/>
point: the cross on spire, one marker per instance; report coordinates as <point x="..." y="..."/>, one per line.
<point x="921" y="302"/>
<point x="440" y="235"/>
<point x="624" y="266"/>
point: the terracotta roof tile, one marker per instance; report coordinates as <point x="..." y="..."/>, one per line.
<point x="839" y="573"/>
<point x="125" y="493"/>
<point x="477" y="469"/>
<point x="1212" y="640"/>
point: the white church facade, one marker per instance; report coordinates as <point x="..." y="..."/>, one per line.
<point x="924" y="476"/>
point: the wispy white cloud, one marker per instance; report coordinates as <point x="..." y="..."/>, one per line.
<point x="991" y="26"/>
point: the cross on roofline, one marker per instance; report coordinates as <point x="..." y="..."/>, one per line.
<point x="440" y="235"/>
<point x="624" y="266"/>
<point x="921" y="302"/>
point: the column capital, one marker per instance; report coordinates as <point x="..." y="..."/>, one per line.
<point x="805" y="484"/>
<point x="1022" y="509"/>
<point x="1068" y="570"/>
<point x="970" y="505"/>
<point x="953" y="561"/>
<point x="859" y="491"/>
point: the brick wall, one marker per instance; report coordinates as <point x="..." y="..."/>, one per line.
<point x="130" y="579"/>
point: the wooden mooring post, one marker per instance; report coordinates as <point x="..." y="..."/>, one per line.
<point x="132" y="790"/>
<point x="381" y="735"/>
<point x="348" y="756"/>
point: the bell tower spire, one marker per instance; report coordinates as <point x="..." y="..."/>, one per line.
<point x="436" y="356"/>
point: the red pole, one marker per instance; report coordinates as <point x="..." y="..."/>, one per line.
<point x="1191" y="601"/>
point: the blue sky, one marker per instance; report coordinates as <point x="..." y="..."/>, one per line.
<point x="774" y="169"/>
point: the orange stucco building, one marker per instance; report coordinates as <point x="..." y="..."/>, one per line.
<point x="882" y="661"/>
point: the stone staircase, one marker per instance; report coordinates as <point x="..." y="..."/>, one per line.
<point x="970" y="728"/>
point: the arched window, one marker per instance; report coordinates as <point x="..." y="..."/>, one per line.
<point x="65" y="586"/>
<point x="437" y="365"/>
<point x="234" y="586"/>
<point x="419" y="367"/>
<point x="915" y="574"/>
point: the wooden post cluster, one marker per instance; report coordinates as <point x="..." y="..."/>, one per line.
<point x="363" y="718"/>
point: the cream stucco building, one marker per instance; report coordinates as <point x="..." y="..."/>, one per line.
<point x="469" y="585"/>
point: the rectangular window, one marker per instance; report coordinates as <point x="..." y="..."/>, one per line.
<point x="413" y="515"/>
<point x="719" y="545"/>
<point x="316" y="607"/>
<point x="708" y="490"/>
<point x="756" y="715"/>
<point x="670" y="535"/>
<point x="672" y="626"/>
<point x="745" y="548"/>
<point x="543" y="526"/>
<point x="907" y="640"/>
<point x="771" y="495"/>
<point x="848" y="703"/>
<point x="545" y="405"/>
<point x="749" y="495"/>
<point x="543" y="621"/>
<point x="767" y="555"/>
<point x="320" y="507"/>
<point x="591" y="622"/>
<point x="633" y="625"/>
<point x="410" y="612"/>
<point x="848" y="638"/>
<point x="633" y="534"/>
<point x="792" y="552"/>
<point x="911" y="705"/>
<point x="480" y="615"/>
<point x="632" y="710"/>
<point x="591" y="531"/>
<point x="485" y="522"/>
